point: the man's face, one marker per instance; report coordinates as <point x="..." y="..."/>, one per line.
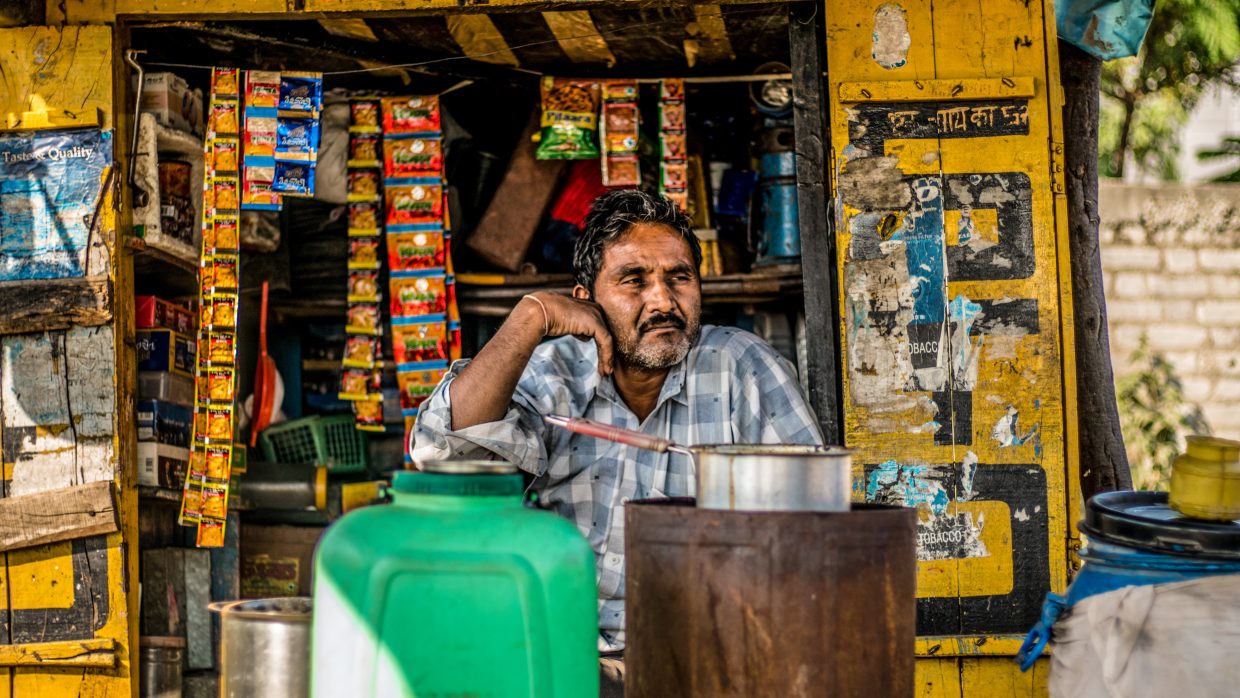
<point x="649" y="291"/>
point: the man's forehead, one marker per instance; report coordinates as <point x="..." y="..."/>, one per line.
<point x="647" y="244"/>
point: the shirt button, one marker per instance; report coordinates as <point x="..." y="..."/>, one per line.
<point x="613" y="560"/>
<point x="624" y="500"/>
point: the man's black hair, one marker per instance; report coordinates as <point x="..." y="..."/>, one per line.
<point x="611" y="216"/>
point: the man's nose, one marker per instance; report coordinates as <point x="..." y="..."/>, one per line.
<point x="659" y="297"/>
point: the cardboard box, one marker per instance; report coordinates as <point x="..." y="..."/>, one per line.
<point x="168" y="98"/>
<point x="176" y="589"/>
<point x="168" y="387"/>
<point x="152" y="312"/>
<point x="162" y="465"/>
<point x="166" y="350"/>
<point x="277" y="560"/>
<point x="165" y="423"/>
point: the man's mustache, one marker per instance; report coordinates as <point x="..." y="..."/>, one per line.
<point x="662" y="320"/>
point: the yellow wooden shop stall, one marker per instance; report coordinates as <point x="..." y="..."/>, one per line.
<point x="936" y="286"/>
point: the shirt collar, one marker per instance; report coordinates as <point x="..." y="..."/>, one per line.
<point x="673" y="387"/>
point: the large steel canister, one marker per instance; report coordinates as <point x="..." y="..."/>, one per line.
<point x="264" y="647"/>
<point x="161" y="659"/>
<point x="730" y="603"/>
<point x="773" y="477"/>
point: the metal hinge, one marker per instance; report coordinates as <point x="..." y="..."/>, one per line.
<point x="1057" y="170"/>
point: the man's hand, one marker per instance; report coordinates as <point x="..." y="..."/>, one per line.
<point x="483" y="390"/>
<point x="581" y="318"/>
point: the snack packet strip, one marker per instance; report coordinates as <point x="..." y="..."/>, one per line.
<point x="361" y="363"/>
<point x="219" y="282"/>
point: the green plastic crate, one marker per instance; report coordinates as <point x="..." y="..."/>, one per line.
<point x="345" y="444"/>
<point x="331" y="441"/>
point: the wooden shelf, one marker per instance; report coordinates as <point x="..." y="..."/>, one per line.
<point x="495" y="294"/>
<point x="324" y="365"/>
<point x="155" y="269"/>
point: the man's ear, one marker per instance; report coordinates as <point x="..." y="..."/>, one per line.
<point x="580" y="293"/>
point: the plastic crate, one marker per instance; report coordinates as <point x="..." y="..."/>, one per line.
<point x="331" y="441"/>
<point x="345" y="444"/>
<point x="294" y="441"/>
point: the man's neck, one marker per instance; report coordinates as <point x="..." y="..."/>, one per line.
<point x="639" y="388"/>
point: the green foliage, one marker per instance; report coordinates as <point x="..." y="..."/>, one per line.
<point x="1146" y="98"/>
<point x="1229" y="149"/>
<point x="1154" y="417"/>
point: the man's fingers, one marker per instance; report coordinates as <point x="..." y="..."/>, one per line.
<point x="602" y="338"/>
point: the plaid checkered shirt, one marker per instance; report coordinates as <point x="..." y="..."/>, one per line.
<point x="731" y="388"/>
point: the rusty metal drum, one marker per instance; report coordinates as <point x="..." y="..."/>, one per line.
<point x="733" y="603"/>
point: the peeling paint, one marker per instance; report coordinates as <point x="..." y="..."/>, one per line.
<point x="1007" y="430"/>
<point x="908" y="485"/>
<point x="874" y="184"/>
<point x="967" y="470"/>
<point x="891" y="38"/>
<point x="1021" y="515"/>
<point x="951" y="537"/>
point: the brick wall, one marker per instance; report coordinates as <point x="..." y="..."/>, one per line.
<point x="1171" y="262"/>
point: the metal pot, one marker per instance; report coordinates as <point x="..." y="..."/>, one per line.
<point x="264" y="647"/>
<point x="161" y="659"/>
<point x="773" y="477"/>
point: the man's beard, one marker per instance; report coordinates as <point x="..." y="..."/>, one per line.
<point x="659" y="355"/>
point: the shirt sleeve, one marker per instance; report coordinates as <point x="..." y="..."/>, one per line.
<point x="768" y="406"/>
<point x="516" y="438"/>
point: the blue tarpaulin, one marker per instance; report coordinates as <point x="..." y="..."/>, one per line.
<point x="1105" y="28"/>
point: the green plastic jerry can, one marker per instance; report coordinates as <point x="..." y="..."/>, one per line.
<point x="455" y="589"/>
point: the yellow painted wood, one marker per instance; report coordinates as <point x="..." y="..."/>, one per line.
<point x="958" y="51"/>
<point x="708" y="40"/>
<point x="480" y="39"/>
<point x="983" y="677"/>
<point x="100" y="654"/>
<point x="350" y="28"/>
<point x="55" y="78"/>
<point x="576" y="34"/>
<point x="201" y="7"/>
<point x="937" y="90"/>
<point x="61" y="77"/>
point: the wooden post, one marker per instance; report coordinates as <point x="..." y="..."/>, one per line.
<point x="807" y="41"/>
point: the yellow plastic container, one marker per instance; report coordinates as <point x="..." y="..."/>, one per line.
<point x="1205" y="480"/>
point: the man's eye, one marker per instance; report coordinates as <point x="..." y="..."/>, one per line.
<point x="631" y="281"/>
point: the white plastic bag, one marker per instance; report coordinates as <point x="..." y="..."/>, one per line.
<point x="1180" y="640"/>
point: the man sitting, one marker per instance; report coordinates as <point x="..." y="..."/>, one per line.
<point x="650" y="367"/>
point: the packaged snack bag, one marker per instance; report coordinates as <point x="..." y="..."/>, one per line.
<point x="360" y="350"/>
<point x="363" y="150"/>
<point x="414" y="203"/>
<point x="364" y="216"/>
<point x="410" y="114"/>
<point x="301" y="92"/>
<point x="364" y="114"/>
<point x="363" y="253"/>
<point x="297" y="139"/>
<point x="424" y="341"/>
<point x="363" y="286"/>
<point x="294" y="178"/>
<point x="413" y="251"/>
<point x="363" y="318"/>
<point x="417" y="386"/>
<point x="262" y="88"/>
<point x="569" y="119"/>
<point x="421" y="295"/>
<point x="224" y="82"/>
<point x="369" y="414"/>
<point x="363" y="185"/>
<point x="354" y="383"/>
<point x="412" y="157"/>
